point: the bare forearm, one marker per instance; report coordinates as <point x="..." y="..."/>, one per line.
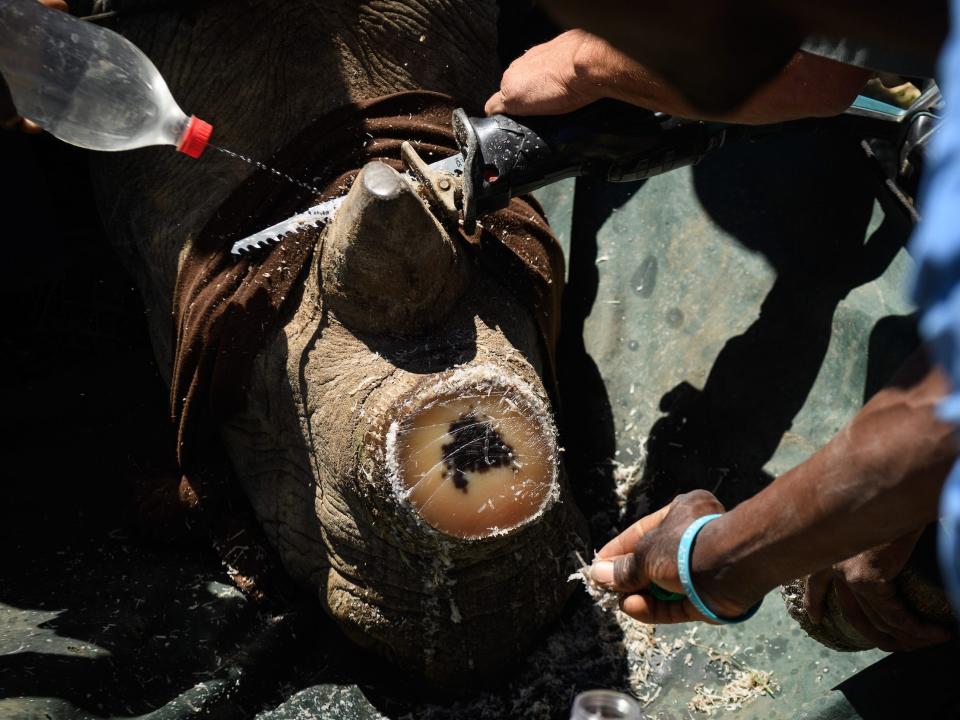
<point x="577" y="68"/>
<point x="680" y="39"/>
<point x="879" y="479"/>
<point x="809" y="86"/>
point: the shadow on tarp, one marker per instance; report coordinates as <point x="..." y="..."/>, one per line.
<point x="113" y="628"/>
<point x="102" y="626"/>
<point x="805" y="203"/>
<point x="586" y="417"/>
<point x="919" y="684"/>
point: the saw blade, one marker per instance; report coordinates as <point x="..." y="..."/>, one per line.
<point x="322" y="213"/>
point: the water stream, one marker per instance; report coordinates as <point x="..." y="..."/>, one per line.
<point x="261" y="166"/>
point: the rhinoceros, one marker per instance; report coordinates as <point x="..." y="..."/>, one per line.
<point x="382" y="387"/>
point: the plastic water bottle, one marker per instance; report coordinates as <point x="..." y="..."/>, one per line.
<point x="88" y="85"/>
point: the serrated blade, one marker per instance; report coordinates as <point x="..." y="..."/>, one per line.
<point x="322" y="213"/>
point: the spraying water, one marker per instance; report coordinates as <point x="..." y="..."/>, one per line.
<point x="262" y="166"/>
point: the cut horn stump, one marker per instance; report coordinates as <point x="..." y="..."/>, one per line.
<point x="474" y="455"/>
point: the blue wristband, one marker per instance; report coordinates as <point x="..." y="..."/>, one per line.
<point x="684" y="554"/>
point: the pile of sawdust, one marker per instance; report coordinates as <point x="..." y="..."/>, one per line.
<point x="744" y="686"/>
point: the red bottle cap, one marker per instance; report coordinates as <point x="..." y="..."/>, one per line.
<point x="195" y="137"/>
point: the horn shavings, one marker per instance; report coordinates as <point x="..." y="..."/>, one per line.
<point x="627" y="477"/>
<point x="603" y="598"/>
<point x="744" y="686"/>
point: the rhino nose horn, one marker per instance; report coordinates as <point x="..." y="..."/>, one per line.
<point x="387" y="264"/>
<point x="476" y="456"/>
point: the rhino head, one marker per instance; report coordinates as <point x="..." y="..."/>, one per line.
<point x="396" y="440"/>
<point x="399" y="447"/>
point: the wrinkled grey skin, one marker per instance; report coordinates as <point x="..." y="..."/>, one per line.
<point x="309" y="451"/>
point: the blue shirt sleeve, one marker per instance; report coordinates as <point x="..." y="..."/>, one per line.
<point x="936" y="289"/>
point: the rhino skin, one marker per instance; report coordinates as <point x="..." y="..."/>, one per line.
<point x="373" y="342"/>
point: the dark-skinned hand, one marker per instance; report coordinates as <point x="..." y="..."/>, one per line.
<point x="870" y="600"/>
<point x="646" y="553"/>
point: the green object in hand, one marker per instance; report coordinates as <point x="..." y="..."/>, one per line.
<point x="666" y="595"/>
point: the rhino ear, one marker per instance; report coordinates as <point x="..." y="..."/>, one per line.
<point x="387" y="264"/>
